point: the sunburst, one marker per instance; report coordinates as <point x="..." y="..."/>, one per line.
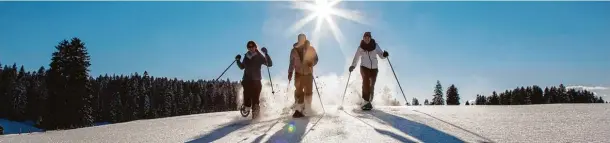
<point x="323" y="11"/>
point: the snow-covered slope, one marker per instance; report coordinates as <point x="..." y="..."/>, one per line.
<point x="531" y="123"/>
<point x="14" y="127"/>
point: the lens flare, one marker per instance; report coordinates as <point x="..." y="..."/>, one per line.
<point x="291" y="127"/>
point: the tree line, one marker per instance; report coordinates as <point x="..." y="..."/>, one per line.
<point x="518" y="96"/>
<point x="535" y="95"/>
<point x="65" y="96"/>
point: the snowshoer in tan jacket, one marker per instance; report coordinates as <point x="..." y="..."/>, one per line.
<point x="303" y="58"/>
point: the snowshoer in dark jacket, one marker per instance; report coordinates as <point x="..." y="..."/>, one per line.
<point x="251" y="81"/>
<point x="303" y="58"/>
<point x="367" y="54"/>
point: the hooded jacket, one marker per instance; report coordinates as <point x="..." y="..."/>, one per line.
<point x="367" y="54"/>
<point x="252" y="63"/>
<point x="300" y="57"/>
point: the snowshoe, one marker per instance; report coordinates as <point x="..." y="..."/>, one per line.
<point x="297" y="114"/>
<point x="367" y="107"/>
<point x="244" y="111"/>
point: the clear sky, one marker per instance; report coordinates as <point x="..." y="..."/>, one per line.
<point x="478" y="46"/>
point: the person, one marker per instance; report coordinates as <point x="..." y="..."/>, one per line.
<point x="303" y="58"/>
<point x="251" y="81"/>
<point x="367" y="54"/>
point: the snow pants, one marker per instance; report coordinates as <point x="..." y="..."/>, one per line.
<point x="369" y="76"/>
<point x="304" y="90"/>
<point x="252" y="92"/>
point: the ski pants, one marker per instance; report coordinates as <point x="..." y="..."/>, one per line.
<point x="369" y="76"/>
<point x="252" y="92"/>
<point x="304" y="84"/>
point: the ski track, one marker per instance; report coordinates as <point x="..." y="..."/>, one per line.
<point x="529" y="123"/>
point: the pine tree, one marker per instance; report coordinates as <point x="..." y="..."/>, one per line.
<point x="426" y="102"/>
<point x="9" y="78"/>
<point x="482" y="100"/>
<point x="438" y="94"/>
<point x="546" y="96"/>
<point x="453" y="97"/>
<point x="3" y="99"/>
<point x="537" y="93"/>
<point x="145" y="88"/>
<point x="116" y="113"/>
<point x="19" y="94"/>
<point x="467" y="103"/>
<point x="71" y="89"/>
<point x="562" y="94"/>
<point x="415" y="102"/>
<point x="494" y="99"/>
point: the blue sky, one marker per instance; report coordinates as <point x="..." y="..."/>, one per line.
<point x="478" y="46"/>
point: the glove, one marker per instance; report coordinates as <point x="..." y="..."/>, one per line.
<point x="238" y="57"/>
<point x="351" y="68"/>
<point x="264" y="50"/>
<point x="385" y="53"/>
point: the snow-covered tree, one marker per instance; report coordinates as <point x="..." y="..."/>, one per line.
<point x="438" y="94"/>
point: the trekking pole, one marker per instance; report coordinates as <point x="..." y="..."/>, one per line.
<point x="345" y="91"/>
<point x="319" y="96"/>
<point x="268" y="72"/>
<point x="226" y="70"/>
<point x="403" y="93"/>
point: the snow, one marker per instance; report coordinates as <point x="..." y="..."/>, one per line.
<point x="524" y="123"/>
<point x="527" y="123"/>
<point x="14" y="127"/>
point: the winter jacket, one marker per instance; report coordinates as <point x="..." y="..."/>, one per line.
<point x="368" y="57"/>
<point x="300" y="57"/>
<point x="252" y="63"/>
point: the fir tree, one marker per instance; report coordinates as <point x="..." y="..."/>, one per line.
<point x="453" y="97"/>
<point x="415" y="102"/>
<point x="70" y="90"/>
<point x="438" y="94"/>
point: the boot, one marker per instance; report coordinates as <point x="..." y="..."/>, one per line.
<point x="298" y="113"/>
<point x="367" y="106"/>
<point x="255" y="112"/>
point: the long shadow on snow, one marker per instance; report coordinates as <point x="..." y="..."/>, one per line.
<point x="293" y="131"/>
<point x="381" y="131"/>
<point x="220" y="132"/>
<point x="420" y="131"/>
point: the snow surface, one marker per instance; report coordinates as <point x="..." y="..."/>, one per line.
<point x="529" y="123"/>
<point x="447" y="124"/>
<point x="14" y="127"/>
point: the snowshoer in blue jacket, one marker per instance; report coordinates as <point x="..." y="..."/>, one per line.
<point x="251" y="81"/>
<point x="367" y="54"/>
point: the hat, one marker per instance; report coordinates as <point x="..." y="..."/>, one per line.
<point x="302" y="35"/>
<point x="367" y="34"/>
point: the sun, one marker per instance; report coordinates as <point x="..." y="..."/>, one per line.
<point x="323" y="11"/>
<point x="322" y="8"/>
